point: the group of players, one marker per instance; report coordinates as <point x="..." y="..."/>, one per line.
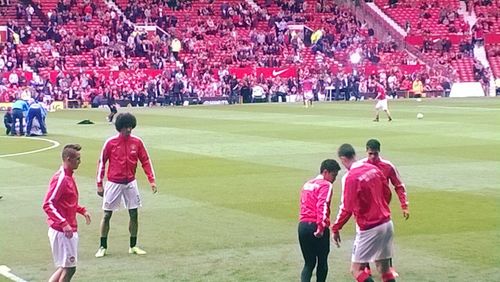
<point x="366" y="195"/>
<point x="121" y="153"/>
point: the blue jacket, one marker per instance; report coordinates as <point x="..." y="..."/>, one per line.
<point x="21" y="105"/>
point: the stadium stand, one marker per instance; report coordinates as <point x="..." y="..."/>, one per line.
<point x="152" y="51"/>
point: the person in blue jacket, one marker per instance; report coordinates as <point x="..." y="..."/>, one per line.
<point x="36" y="111"/>
<point x="18" y="109"/>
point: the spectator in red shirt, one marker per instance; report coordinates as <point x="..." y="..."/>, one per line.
<point x="61" y="206"/>
<point x="314" y="233"/>
<point x="364" y="195"/>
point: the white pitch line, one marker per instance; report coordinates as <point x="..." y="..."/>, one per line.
<point x="54" y="143"/>
<point x="5" y="271"/>
<point x="460" y="108"/>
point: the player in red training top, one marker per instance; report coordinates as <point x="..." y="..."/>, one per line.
<point x="390" y="172"/>
<point x="314" y="233"/>
<point x="123" y="152"/>
<point x="61" y="206"/>
<point x="307" y="89"/>
<point x="382" y="102"/>
<point x="364" y="195"/>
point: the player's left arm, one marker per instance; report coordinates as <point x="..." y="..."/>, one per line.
<point x="323" y="207"/>
<point x="147" y="166"/>
<point x="400" y="189"/>
<point x="83" y="211"/>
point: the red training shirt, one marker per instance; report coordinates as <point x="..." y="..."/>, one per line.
<point x="315" y="200"/>
<point x="392" y="175"/>
<point x="364" y="194"/>
<point x="61" y="201"/>
<point x="123" y="154"/>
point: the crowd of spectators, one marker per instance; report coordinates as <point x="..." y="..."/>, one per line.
<point x="82" y="36"/>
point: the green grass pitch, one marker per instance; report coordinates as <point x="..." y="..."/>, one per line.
<point x="229" y="179"/>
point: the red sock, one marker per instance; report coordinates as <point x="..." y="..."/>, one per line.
<point x="388" y="277"/>
<point x="363" y="276"/>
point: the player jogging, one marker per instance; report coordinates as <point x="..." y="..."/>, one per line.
<point x="381" y="102"/>
<point x="112" y="106"/>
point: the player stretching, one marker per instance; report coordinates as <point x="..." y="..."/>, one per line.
<point x="314" y="233"/>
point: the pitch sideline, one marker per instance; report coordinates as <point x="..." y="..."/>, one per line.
<point x="5" y="271"/>
<point x="54" y="143"/>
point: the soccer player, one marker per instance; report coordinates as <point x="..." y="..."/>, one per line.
<point x="382" y="102"/>
<point x="112" y="106"/>
<point x="307" y="89"/>
<point x="61" y="206"/>
<point x="122" y="151"/>
<point x="314" y="233"/>
<point x="390" y="172"/>
<point x="364" y="194"/>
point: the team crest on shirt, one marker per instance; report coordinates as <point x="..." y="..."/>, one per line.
<point x="133" y="149"/>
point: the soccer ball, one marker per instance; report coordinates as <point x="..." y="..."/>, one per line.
<point x="420" y="116"/>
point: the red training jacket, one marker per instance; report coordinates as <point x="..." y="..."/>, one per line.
<point x="364" y="194"/>
<point x="315" y="200"/>
<point x="123" y="153"/>
<point x="392" y="175"/>
<point x="61" y="201"/>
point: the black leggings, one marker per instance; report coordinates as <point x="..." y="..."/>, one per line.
<point x="314" y="249"/>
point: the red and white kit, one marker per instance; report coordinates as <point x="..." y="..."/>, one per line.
<point x="315" y="200"/>
<point x="364" y="195"/>
<point x="61" y="206"/>
<point x="382" y="98"/>
<point x="123" y="154"/>
<point x="392" y="175"/>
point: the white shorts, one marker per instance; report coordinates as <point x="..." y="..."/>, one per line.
<point x="373" y="244"/>
<point x="381" y="105"/>
<point x="308" y="95"/>
<point x="64" y="250"/>
<point x="115" y="193"/>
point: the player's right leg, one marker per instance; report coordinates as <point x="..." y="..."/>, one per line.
<point x="359" y="273"/>
<point x="103" y="246"/>
<point x="111" y="201"/>
<point x="322" y="251"/>
<point x="306" y="241"/>
<point x="56" y="275"/>
<point x="67" y="273"/>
